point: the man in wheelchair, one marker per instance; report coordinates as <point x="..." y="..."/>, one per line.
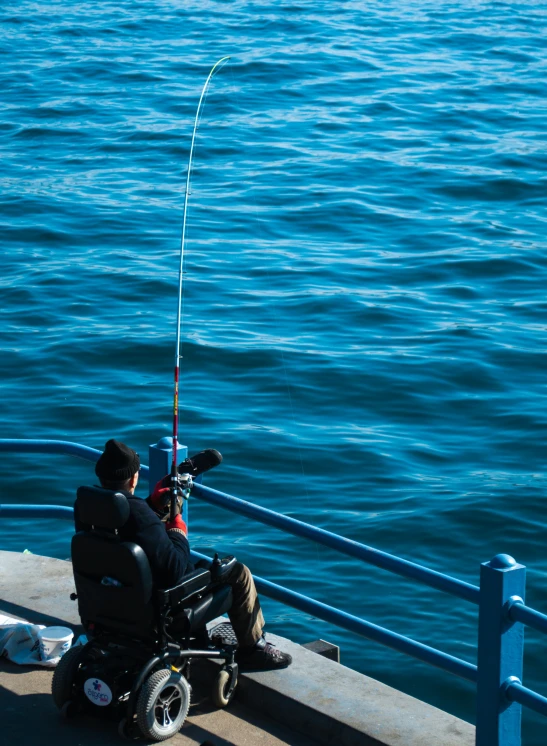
<point x="144" y="607"/>
<point x="166" y="546"/>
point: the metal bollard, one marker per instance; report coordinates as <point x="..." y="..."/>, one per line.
<point x="500" y="652"/>
<point x="160" y="455"/>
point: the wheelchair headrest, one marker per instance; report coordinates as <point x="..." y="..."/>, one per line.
<point x="102" y="508"/>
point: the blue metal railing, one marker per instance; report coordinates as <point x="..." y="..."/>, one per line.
<point x="59" y="447"/>
<point x="502" y="611"/>
<point x="352" y="548"/>
<point x="298" y="601"/>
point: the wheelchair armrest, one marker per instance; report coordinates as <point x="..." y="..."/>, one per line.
<point x="220" y="569"/>
<point x="193" y="583"/>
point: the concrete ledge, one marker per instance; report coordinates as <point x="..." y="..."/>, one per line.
<point x="326" y="701"/>
<point x="337" y="706"/>
<point x="38" y="589"/>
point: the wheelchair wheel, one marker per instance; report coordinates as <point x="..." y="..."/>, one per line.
<point x="162" y="704"/>
<point x="220" y="692"/>
<point x="123" y="730"/>
<point x="69" y="710"/>
<point x="63" y="676"/>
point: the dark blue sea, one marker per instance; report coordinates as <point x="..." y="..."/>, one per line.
<point x="364" y="334"/>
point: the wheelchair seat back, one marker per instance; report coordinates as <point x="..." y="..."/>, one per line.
<point x="114" y="581"/>
<point x="113" y="578"/>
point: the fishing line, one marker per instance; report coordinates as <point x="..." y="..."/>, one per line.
<point x="189" y="193"/>
<point x="174" y="472"/>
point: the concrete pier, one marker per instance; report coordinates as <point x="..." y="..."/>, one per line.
<point x="315" y="701"/>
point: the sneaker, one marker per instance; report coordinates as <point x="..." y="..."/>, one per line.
<point x="200" y="463"/>
<point x="263" y="656"/>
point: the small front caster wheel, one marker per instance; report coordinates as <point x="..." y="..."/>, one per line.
<point x="123" y="730"/>
<point x="69" y="710"/>
<point x="128" y="731"/>
<point x="220" y="693"/>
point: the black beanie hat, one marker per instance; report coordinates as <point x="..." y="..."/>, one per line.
<point x="117" y="463"/>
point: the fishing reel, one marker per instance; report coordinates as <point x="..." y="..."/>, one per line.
<point x="179" y="492"/>
<point x="185" y="484"/>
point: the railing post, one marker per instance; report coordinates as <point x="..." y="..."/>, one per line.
<point x="160" y="455"/>
<point x="500" y="653"/>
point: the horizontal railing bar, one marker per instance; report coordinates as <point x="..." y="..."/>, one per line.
<point x="519" y="612"/>
<point x="352" y="548"/>
<point x="15" y="445"/>
<point x="36" y="511"/>
<point x="308" y="605"/>
<point x="366" y="629"/>
<point x="376" y="557"/>
<point x="526" y="697"/>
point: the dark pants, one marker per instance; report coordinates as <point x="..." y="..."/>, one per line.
<point x="245" y="613"/>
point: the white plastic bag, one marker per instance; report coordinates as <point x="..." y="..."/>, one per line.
<point x="19" y="643"/>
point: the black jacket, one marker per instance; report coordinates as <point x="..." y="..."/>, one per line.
<point x="168" y="551"/>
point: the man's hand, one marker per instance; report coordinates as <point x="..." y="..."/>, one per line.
<point x="160" y="499"/>
<point x="178" y="505"/>
<point x="177" y="525"/>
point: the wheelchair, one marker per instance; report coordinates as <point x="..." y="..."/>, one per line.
<point x="133" y="668"/>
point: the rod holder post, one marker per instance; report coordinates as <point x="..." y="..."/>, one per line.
<point x="500" y="652"/>
<point x="160" y="456"/>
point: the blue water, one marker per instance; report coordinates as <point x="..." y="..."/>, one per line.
<point x="364" y="332"/>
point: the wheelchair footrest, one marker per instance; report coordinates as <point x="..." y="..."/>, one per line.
<point x="223" y="635"/>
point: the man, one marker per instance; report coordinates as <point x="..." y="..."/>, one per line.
<point x="168" y="551"/>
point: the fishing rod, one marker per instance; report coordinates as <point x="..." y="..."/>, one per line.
<point x="174" y="473"/>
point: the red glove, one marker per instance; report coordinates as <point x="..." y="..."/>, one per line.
<point x="159" y="499"/>
<point x="177" y="525"/>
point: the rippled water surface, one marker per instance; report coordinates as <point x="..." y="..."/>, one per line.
<point x="364" y="331"/>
